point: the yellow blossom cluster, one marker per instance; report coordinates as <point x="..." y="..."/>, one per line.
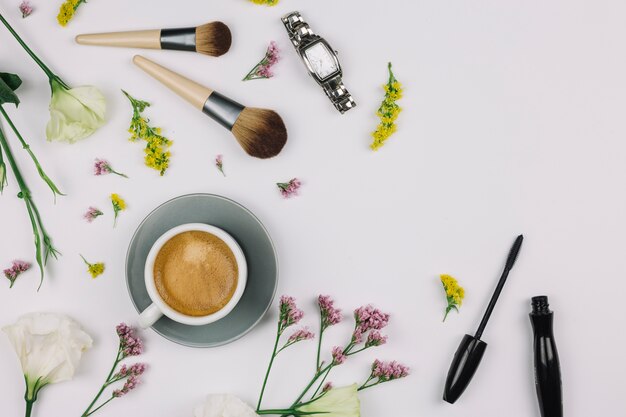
<point x="95" y="270"/>
<point x="267" y="2"/>
<point x="157" y="155"/>
<point x="118" y="205"/>
<point x="388" y="111"/>
<point x="68" y="8"/>
<point x="454" y="293"/>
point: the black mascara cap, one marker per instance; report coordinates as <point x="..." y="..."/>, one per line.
<point x="466" y="360"/>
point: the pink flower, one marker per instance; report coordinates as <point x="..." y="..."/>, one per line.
<point x="388" y="371"/>
<point x="289" y="314"/>
<point x="264" y="68"/>
<point x="375" y="339"/>
<point x="16" y="269"/>
<point x="338" y="355"/>
<point x="327" y="387"/>
<point x="130" y="384"/>
<point x="130" y="345"/>
<point x="300" y="334"/>
<point x="91" y="214"/>
<point x="219" y="163"/>
<point x="368" y="318"/>
<point x="136" y="370"/>
<point x="289" y="189"/>
<point x="330" y="314"/>
<point x="26" y="9"/>
<point x="103" y="167"/>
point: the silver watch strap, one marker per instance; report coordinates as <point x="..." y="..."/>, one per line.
<point x="301" y="35"/>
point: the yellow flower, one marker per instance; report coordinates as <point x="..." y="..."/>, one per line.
<point x="454" y="293"/>
<point x="267" y="2"/>
<point x="387" y="112"/>
<point x="118" y="205"/>
<point x="95" y="270"/>
<point x="67" y="10"/>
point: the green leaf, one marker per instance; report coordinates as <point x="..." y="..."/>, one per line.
<point x="8" y="84"/>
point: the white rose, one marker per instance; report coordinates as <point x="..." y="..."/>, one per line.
<point x="49" y="347"/>
<point x="75" y="113"/>
<point x="223" y="405"/>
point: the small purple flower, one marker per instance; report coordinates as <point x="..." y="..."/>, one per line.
<point x="388" y="371"/>
<point x="26" y="9"/>
<point x="289" y="189"/>
<point x="130" y="345"/>
<point x="374" y="338"/>
<point x="264" y="68"/>
<point x="219" y="163"/>
<point x="130" y="384"/>
<point x="92" y="213"/>
<point x="300" y="334"/>
<point x="16" y="269"/>
<point x="338" y="356"/>
<point x="368" y="318"/>
<point x="289" y="313"/>
<point x="327" y="387"/>
<point x="103" y="167"/>
<point x="330" y="314"/>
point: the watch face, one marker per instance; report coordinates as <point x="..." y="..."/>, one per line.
<point x="322" y="61"/>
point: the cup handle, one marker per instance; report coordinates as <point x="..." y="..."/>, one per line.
<point x="149" y="316"/>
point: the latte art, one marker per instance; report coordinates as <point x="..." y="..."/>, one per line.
<point x="196" y="273"/>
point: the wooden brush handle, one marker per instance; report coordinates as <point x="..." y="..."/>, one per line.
<point x="191" y="91"/>
<point x="147" y="39"/>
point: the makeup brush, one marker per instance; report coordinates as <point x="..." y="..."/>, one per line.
<point x="213" y="39"/>
<point x="470" y="352"/>
<point x="260" y="132"/>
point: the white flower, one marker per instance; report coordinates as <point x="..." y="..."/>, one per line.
<point x="223" y="405"/>
<point x="337" y="402"/>
<point x="75" y="113"/>
<point x="49" y="347"/>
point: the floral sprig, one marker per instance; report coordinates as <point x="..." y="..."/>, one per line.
<point x="219" y="163"/>
<point x="16" y="269"/>
<point x="129" y="345"/>
<point x="264" y="68"/>
<point x="118" y="204"/>
<point x="95" y="269"/>
<point x="265" y="2"/>
<point x="388" y="111"/>
<point x="289" y="189"/>
<point x="454" y="293"/>
<point x="103" y="167"/>
<point x="67" y="11"/>
<point x="157" y="146"/>
<point x="326" y="399"/>
<point x="26" y="9"/>
<point x="92" y="213"/>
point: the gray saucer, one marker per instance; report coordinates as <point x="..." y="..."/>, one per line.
<point x="255" y="242"/>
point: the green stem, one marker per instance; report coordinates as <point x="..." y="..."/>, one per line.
<point x="118" y="173"/>
<point x="115" y="363"/>
<point x="321" y="384"/>
<point x="250" y="76"/>
<point x="29" y="407"/>
<point x="269" y="367"/>
<point x="101" y="405"/>
<point x="42" y="174"/>
<point x="319" y="342"/>
<point x="39" y="62"/>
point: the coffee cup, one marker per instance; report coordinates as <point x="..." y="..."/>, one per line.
<point x="199" y="261"/>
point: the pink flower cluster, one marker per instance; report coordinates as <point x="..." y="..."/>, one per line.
<point x="26" y="9"/>
<point x="330" y="314"/>
<point x="101" y="167"/>
<point x="130" y="345"/>
<point x="289" y="189"/>
<point x="16" y="270"/>
<point x="289" y="313"/>
<point x="130" y="384"/>
<point x="264" y="68"/>
<point x="388" y="371"/>
<point x="375" y="339"/>
<point x="338" y="356"/>
<point x="132" y="374"/>
<point x="300" y="334"/>
<point x="92" y="213"/>
<point x="368" y="318"/>
<point x="219" y="163"/>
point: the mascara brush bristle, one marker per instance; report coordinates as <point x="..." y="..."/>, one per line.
<point x="213" y="39"/>
<point x="260" y="132"/>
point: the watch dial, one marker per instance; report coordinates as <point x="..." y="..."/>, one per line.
<point x="321" y="60"/>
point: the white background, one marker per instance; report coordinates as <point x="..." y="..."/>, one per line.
<point x="512" y="123"/>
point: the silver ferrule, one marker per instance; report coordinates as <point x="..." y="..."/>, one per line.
<point x="222" y="109"/>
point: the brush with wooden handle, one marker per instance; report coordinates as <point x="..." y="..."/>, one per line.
<point x="212" y="39"/>
<point x="260" y="132"/>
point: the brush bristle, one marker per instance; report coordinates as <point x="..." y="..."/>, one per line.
<point x="213" y="39"/>
<point x="260" y="132"/>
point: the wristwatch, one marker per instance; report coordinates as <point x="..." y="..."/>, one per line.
<point x="320" y="59"/>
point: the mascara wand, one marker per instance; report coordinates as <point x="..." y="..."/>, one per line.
<point x="470" y="351"/>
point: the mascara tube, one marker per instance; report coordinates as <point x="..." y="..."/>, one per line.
<point x="547" y="367"/>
